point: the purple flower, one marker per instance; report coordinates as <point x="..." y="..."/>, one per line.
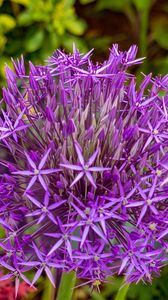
<point x="84" y="178"/>
<point x="84" y="168"/>
<point x="37" y="172"/>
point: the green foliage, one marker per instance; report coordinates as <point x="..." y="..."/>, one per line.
<point x="160" y="32"/>
<point x="114" y="290"/>
<point x="37" y="28"/>
<point x="115" y="5"/>
<point x="66" y="286"/>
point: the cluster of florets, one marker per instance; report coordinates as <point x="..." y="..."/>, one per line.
<point x="85" y="179"/>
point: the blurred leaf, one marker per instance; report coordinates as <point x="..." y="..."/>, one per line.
<point x="68" y="41"/>
<point x="86" y="1"/>
<point x="25" y="19"/>
<point x="75" y="26"/>
<point x="34" y="41"/>
<point x="116" y="5"/>
<point x="160" y="33"/>
<point x="142" y="4"/>
<point x="161" y="65"/>
<point x="3" y="40"/>
<point x="97" y="296"/>
<point x="22" y="2"/>
<point x="1" y="2"/>
<point x="6" y="22"/>
<point x="3" y="61"/>
<point x="101" y="42"/>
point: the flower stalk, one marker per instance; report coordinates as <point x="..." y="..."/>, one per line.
<point x="66" y="286"/>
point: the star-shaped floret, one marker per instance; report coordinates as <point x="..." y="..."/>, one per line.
<point x="64" y="237"/>
<point x="89" y="220"/>
<point x="43" y="263"/>
<point x="16" y="272"/>
<point x="157" y="133"/>
<point x="11" y="129"/>
<point x="44" y="209"/>
<point x="84" y="168"/>
<point x="37" y="172"/>
<point x="148" y="200"/>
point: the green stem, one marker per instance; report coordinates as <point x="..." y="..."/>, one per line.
<point x="66" y="287"/>
<point x="122" y="292"/>
<point x="48" y="290"/>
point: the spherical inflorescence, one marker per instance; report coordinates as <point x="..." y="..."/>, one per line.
<point x="85" y="180"/>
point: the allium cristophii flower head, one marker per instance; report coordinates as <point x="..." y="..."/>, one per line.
<point x="85" y="185"/>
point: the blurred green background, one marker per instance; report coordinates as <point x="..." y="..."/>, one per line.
<point x="35" y="28"/>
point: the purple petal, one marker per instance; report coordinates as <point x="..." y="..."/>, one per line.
<point x="79" y="153"/>
<point x="90" y="178"/>
<point x="154" y="210"/>
<point x="32" y="199"/>
<point x="30" y="263"/>
<point x="143" y="211"/>
<point x="69" y="248"/>
<point x="79" y="211"/>
<point x="30" y="161"/>
<point x="55" y="205"/>
<point x="42" y="162"/>
<point x="5" y="277"/>
<point x="99" y="169"/>
<point x="124" y="262"/>
<point x="72" y="167"/>
<point x="56" y="246"/>
<point x="27" y="173"/>
<point x="4" y="129"/>
<point x="92" y="158"/>
<point x="32" y="181"/>
<point x="49" y="275"/>
<point x="25" y="279"/>
<point x="135" y="204"/>
<point x="41" y="218"/>
<point x="37" y="275"/>
<point x="44" y="185"/>
<point x="84" y="235"/>
<point x="35" y="213"/>
<point x="165" y="232"/>
<point x="78" y="177"/>
<point x="97" y="230"/>
<point x="39" y="255"/>
<point x="19" y="118"/>
<point x="46" y="199"/>
<point x="5" y="265"/>
<point x="49" y="171"/>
